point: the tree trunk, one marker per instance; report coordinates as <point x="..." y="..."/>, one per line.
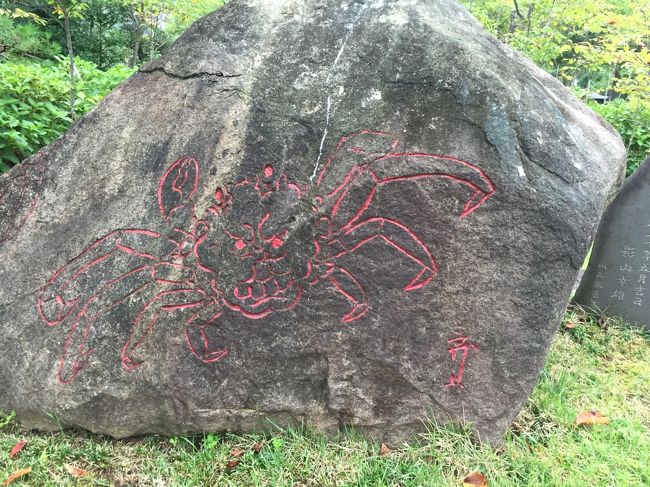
<point x="101" y="46"/>
<point x="138" y="32"/>
<point x="68" y="38"/>
<point x="152" y="46"/>
<point x="136" y="49"/>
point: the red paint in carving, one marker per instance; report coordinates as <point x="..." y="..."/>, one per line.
<point x="357" y="149"/>
<point x="207" y="356"/>
<point x="351" y="290"/>
<point x="182" y="178"/>
<point x="460" y="344"/>
<point x="182" y="283"/>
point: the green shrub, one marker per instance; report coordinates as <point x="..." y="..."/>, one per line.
<point x="26" y="38"/>
<point x="34" y="102"/>
<point x="630" y="123"/>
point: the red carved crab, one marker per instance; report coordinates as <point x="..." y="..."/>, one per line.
<point x="246" y="251"/>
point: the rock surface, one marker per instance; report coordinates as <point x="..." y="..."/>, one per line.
<point x="617" y="281"/>
<point x="361" y="214"/>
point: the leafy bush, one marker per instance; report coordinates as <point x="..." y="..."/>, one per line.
<point x="632" y="122"/>
<point x="34" y="102"/>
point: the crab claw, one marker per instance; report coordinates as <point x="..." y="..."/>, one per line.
<point x="177" y="186"/>
<point x="422" y="279"/>
<point x="197" y="340"/>
<point x="346" y="284"/>
<point x="55" y="309"/>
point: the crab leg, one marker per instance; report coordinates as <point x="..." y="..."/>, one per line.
<point x="118" y="261"/>
<point x="196" y="335"/>
<point x="344" y="208"/>
<point x="101" y="278"/>
<point x="178" y="301"/>
<point x="348" y="201"/>
<point x="351" y="289"/>
<point x="75" y="352"/>
<point x="390" y="169"/>
<point x="397" y="235"/>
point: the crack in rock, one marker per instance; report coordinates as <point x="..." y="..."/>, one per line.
<point x="200" y="74"/>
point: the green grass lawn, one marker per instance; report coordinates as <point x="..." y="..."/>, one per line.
<point x="596" y="365"/>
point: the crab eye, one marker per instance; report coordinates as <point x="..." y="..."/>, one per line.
<point x="219" y="195"/>
<point x="240" y="244"/>
<point x="277" y="242"/>
<point x="268" y="171"/>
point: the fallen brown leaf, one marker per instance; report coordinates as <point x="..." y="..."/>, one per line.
<point x="384" y="450"/>
<point x="475" y="479"/>
<point x="16" y="475"/>
<point x="16" y="449"/>
<point x="570" y="324"/>
<point x="237" y="452"/>
<point x="76" y="472"/>
<point x="257" y="447"/>
<point x="591" y="417"/>
<point x="232" y="464"/>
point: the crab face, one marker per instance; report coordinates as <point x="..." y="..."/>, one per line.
<point x="249" y="243"/>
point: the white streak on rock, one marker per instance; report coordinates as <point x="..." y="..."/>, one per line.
<point x="322" y="141"/>
<point x="329" y="97"/>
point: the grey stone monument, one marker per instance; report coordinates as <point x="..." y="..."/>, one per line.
<point x="617" y="281"/>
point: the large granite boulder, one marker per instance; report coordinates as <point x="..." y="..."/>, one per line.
<point x="361" y="214"/>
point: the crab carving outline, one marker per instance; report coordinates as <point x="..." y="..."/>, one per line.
<point x="179" y="271"/>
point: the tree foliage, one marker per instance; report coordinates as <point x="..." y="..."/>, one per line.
<point x="26" y="40"/>
<point x="33" y="102"/>
<point x="592" y="46"/>
<point x="58" y="58"/>
<point x="633" y="123"/>
<point x="157" y="22"/>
